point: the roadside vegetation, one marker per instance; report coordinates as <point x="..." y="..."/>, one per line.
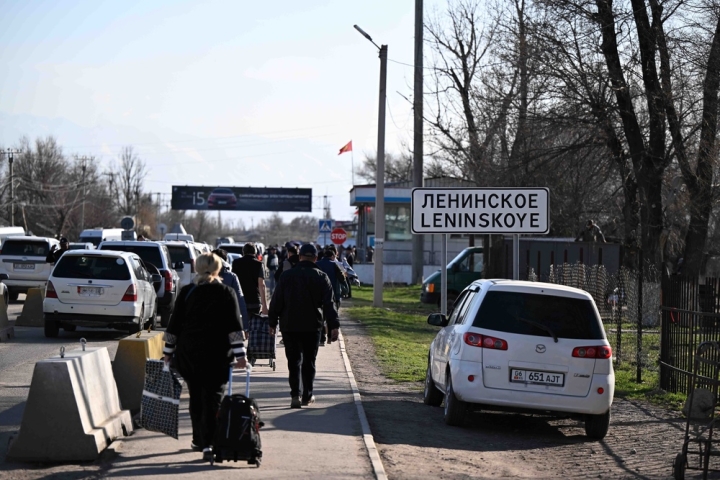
<point x="402" y="338"/>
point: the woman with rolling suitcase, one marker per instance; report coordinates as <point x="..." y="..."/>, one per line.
<point x="205" y="337"/>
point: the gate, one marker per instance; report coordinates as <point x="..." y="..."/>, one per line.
<point x="690" y="315"/>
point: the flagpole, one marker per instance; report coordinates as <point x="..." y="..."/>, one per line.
<point x="352" y="166"/>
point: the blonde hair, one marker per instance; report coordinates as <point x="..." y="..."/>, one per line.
<point x="207" y="267"/>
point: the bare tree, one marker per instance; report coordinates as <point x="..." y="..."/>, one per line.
<point x="128" y="180"/>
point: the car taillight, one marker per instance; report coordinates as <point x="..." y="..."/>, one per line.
<point x="600" y="351"/>
<point x="130" y="294"/>
<point x="192" y="265"/>
<point x="485" y="341"/>
<point x="50" y="290"/>
<point x="168" y="280"/>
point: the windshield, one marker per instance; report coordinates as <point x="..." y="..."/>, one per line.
<point x="468" y="262"/>
<point x="149" y="254"/>
<point x="25" y="248"/>
<point x="92" y="267"/>
<point x="179" y="254"/>
<point x="539" y="315"/>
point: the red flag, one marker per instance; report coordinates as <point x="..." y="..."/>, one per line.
<point x="346" y="148"/>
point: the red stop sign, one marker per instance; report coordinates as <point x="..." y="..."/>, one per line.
<point x="338" y="236"/>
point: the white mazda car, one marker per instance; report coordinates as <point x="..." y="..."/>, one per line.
<point x="99" y="288"/>
<point x="522" y="346"/>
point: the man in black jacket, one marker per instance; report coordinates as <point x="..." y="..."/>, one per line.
<point x="303" y="298"/>
<point x="251" y="273"/>
<point x="54" y="255"/>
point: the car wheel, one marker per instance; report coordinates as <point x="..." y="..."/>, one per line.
<point x="596" y="426"/>
<point x="13" y="295"/>
<point x="135" y="327"/>
<point x="151" y="322"/>
<point x="454" y="408"/>
<point x="6" y="296"/>
<point x="69" y="328"/>
<point x="52" y="328"/>
<point x="431" y="395"/>
<point x="165" y="318"/>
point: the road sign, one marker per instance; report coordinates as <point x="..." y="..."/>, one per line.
<point x="127" y="223"/>
<point x="162" y="229"/>
<point x="481" y="210"/>
<point x="326" y="226"/>
<point x="338" y="236"/>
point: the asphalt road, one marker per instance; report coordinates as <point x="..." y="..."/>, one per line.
<point x="17" y="361"/>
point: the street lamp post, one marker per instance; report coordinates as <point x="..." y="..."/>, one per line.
<point x="379" y="177"/>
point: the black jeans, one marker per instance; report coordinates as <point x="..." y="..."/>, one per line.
<point x="204" y="405"/>
<point x="301" y="351"/>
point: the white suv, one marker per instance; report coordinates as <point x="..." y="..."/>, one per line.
<point x="24" y="260"/>
<point x="512" y="345"/>
<point x="93" y="288"/>
<point x="183" y="256"/>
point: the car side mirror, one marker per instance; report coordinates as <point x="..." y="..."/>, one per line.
<point x="437" y="319"/>
<point x="156" y="278"/>
<point x="179" y="266"/>
<point x="4" y="276"/>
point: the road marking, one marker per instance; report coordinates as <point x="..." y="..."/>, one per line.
<point x="373" y="453"/>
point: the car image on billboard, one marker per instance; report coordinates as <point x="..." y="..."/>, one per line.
<point x="222" y="198"/>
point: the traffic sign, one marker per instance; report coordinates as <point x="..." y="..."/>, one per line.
<point x="481" y="210"/>
<point x="326" y="225"/>
<point x="127" y="223"/>
<point x="338" y="236"/>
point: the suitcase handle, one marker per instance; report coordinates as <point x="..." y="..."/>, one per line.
<point x="248" y="369"/>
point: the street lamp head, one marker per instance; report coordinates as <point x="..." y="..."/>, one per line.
<point x="365" y="34"/>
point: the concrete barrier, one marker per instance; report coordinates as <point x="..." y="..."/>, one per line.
<point x="72" y="411"/>
<point x="129" y="365"/>
<point x="32" y="312"/>
<point x="6" y="330"/>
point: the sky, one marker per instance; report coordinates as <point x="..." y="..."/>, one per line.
<point x="230" y="93"/>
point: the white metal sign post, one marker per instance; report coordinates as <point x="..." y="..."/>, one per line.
<point x="509" y="211"/>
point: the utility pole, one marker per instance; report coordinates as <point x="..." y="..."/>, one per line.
<point x="84" y="168"/>
<point x="418" y="240"/>
<point x="10" y="153"/>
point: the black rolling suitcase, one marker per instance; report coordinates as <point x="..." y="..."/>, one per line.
<point x="238" y="432"/>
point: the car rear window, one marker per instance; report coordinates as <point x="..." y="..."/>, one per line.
<point x="179" y="254"/>
<point x="149" y="254"/>
<point x="92" y="267"/>
<point x="27" y="248"/>
<point x="515" y="312"/>
<point x="232" y="248"/>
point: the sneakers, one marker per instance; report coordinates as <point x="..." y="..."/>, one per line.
<point x="207" y="454"/>
<point x="195" y="448"/>
<point x="309" y="401"/>
<point x="295" y="403"/>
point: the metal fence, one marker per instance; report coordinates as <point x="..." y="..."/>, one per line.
<point x="690" y="315"/>
<point x="629" y="306"/>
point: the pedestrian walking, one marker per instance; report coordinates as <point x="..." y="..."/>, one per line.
<point x="231" y="280"/>
<point x="251" y="273"/>
<point x="591" y="233"/>
<point x="54" y="255"/>
<point x="205" y="337"/>
<point x="302" y="298"/>
<point x="273" y="263"/>
<point x="289" y="262"/>
<point x="336" y="274"/>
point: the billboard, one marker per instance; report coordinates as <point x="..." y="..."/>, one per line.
<point x="242" y="198"/>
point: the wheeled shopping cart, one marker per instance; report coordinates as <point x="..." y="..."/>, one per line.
<point x="261" y="344"/>
<point x="700" y="446"/>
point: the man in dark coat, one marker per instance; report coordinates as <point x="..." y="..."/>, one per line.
<point x="303" y="298"/>
<point x="251" y="273"/>
<point x="54" y="255"/>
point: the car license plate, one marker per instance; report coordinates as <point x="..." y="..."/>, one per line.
<point x="24" y="266"/>
<point x="538" y="378"/>
<point x="222" y="202"/>
<point x="90" y="291"/>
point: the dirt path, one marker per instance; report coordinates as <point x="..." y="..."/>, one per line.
<point x="414" y="442"/>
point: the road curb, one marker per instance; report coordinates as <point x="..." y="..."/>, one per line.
<point x="368" y="439"/>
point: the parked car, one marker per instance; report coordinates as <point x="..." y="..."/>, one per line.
<point x="98" y="235"/>
<point x="233" y="247"/>
<point x="81" y="246"/>
<point x="525" y="346"/>
<point x="222" y="198"/>
<point x="23" y="259"/>
<point x="182" y="256"/>
<point x="157" y="258"/>
<point x="461" y="271"/>
<point x="101" y="289"/>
